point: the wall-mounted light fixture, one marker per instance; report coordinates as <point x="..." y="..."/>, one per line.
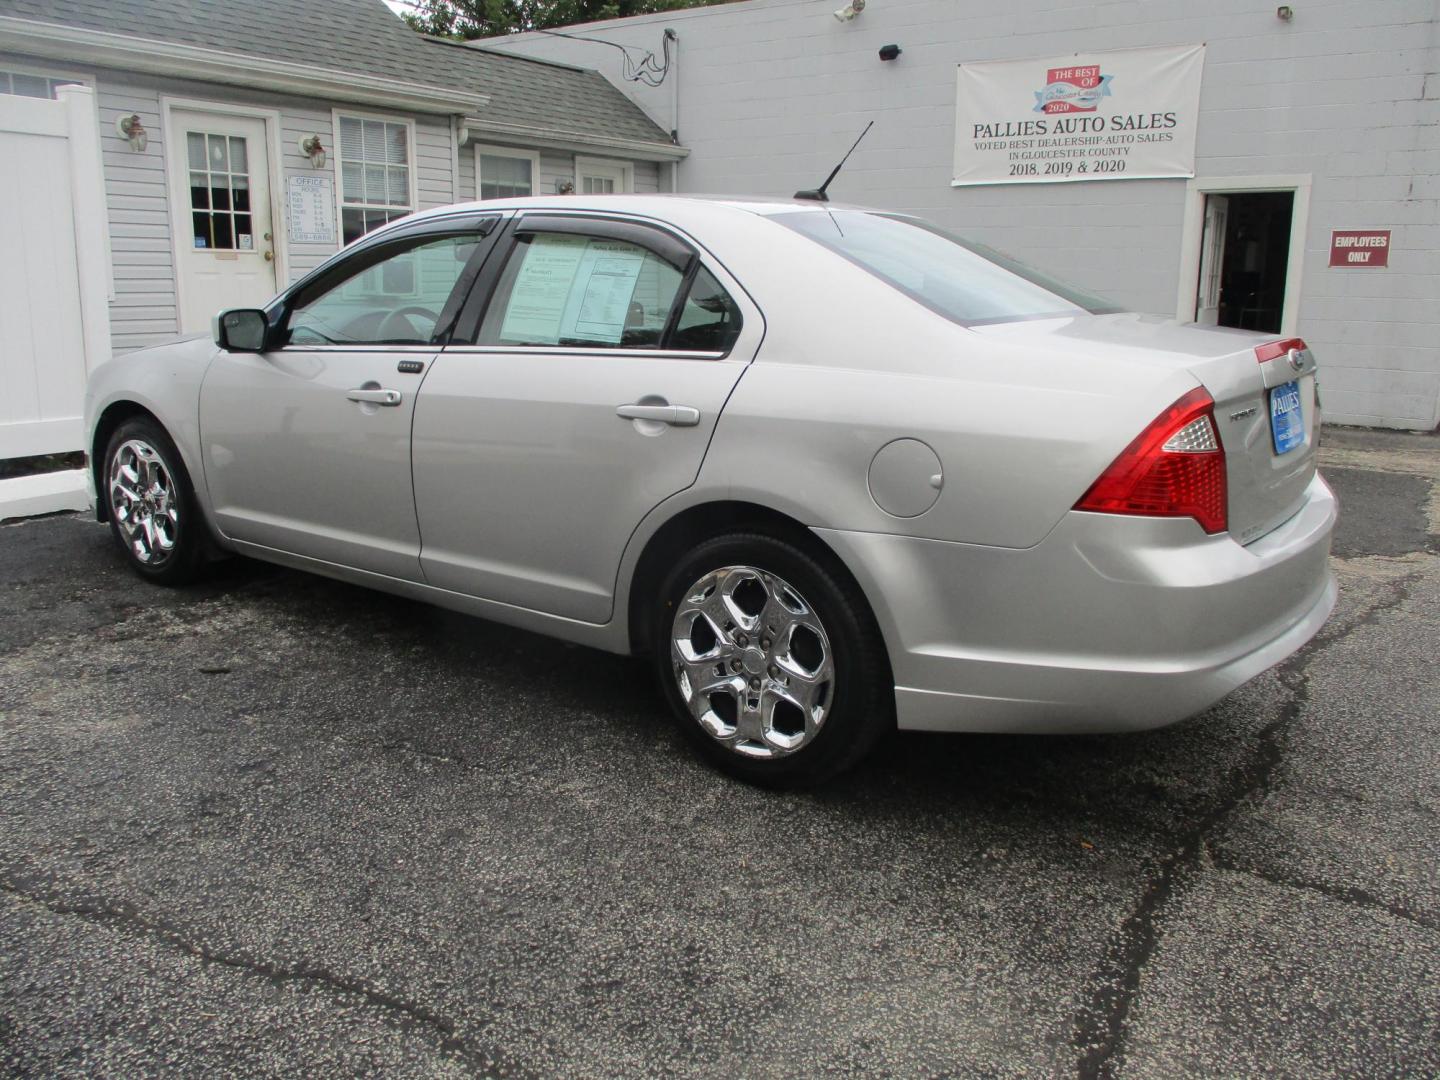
<point x="564" y="187"/>
<point x="314" y="149"/>
<point x="133" y="131"/>
<point x="849" y="11"/>
<point x="890" y="52"/>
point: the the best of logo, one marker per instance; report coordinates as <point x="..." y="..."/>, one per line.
<point x="1072" y="90"/>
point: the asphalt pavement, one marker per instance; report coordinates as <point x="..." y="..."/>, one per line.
<point x="276" y="825"/>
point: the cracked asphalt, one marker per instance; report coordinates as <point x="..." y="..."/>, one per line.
<point x="276" y="825"/>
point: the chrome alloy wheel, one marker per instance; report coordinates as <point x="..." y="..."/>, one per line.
<point x="144" y="501"/>
<point x="752" y="661"/>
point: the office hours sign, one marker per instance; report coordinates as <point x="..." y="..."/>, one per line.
<point x="1124" y="115"/>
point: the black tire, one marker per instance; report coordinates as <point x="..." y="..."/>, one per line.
<point x="181" y="563"/>
<point x="859" y="701"/>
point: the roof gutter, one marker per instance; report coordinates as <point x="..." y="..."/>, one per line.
<point x="75" y="44"/>
<point x="639" y="149"/>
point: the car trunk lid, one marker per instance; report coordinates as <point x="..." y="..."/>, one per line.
<point x="1269" y="454"/>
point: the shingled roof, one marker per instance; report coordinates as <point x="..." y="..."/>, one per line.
<point x="546" y="95"/>
<point x="364" y="37"/>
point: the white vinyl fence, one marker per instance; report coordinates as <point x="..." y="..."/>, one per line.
<point x="54" y="325"/>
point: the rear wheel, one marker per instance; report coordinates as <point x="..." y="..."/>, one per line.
<point x="773" y="664"/>
<point x="151" y="504"/>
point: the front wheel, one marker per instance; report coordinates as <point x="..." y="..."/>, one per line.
<point x="772" y="663"/>
<point x="151" y="504"/>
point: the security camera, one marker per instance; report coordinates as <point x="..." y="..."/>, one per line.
<point x="849" y="11"/>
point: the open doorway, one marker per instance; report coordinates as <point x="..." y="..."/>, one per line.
<point x="1242" y="251"/>
<point x="1244" y="259"/>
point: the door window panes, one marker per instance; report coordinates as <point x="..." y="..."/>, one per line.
<point x="563" y="289"/>
<point x="220" y="214"/>
<point x="709" y="320"/>
<point x="374" y="174"/>
<point x="505" y="177"/>
<point x="394" y="297"/>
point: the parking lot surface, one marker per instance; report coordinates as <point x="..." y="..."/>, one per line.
<point x="278" y="825"/>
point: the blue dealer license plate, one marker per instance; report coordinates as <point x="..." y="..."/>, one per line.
<point x="1287" y="423"/>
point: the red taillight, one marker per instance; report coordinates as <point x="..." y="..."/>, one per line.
<point x="1271" y="349"/>
<point x="1174" y="468"/>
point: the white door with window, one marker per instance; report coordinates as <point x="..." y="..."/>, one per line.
<point x="1212" y="260"/>
<point x="220" y="194"/>
<point x="596" y="176"/>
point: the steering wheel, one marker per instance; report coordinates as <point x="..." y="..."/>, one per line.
<point x="398" y="318"/>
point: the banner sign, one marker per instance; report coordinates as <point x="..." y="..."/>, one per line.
<point x="1125" y="115"/>
<point x="1360" y="247"/>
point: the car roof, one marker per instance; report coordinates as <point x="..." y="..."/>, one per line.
<point x="677" y="209"/>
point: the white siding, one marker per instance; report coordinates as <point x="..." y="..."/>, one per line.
<point x="772" y="92"/>
<point x="300" y="122"/>
<point x="467" y="174"/>
<point x="434" y="180"/>
<point x="555" y="166"/>
<point x="142" y="263"/>
<point x="647" y="177"/>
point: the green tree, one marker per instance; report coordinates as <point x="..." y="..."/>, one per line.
<point x="469" y="19"/>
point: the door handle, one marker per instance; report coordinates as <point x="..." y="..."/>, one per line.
<point x="675" y="415"/>
<point x="375" y="397"/>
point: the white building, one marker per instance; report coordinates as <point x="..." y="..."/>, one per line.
<point x="1320" y="117"/>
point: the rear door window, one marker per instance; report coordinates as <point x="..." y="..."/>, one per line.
<point x="568" y="289"/>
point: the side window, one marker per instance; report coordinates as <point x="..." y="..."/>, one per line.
<point x="710" y="320"/>
<point x="587" y="291"/>
<point x="393" y="296"/>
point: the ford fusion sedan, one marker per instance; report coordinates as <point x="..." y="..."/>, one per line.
<point x="834" y="470"/>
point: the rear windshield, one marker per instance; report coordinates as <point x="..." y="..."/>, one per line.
<point x="963" y="281"/>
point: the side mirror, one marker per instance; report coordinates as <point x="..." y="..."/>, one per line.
<point x="241" y="330"/>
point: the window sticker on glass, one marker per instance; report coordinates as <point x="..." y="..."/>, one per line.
<point x="245" y="241"/>
<point x="572" y="289"/>
<point x="542" y="288"/>
<point x="608" y="287"/>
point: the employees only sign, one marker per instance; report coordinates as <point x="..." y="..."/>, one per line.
<point x="1124" y="115"/>
<point x="1360" y="247"/>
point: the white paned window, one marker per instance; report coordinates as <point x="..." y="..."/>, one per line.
<point x="376" y="173"/>
<point x="29" y="85"/>
<point x="504" y="173"/>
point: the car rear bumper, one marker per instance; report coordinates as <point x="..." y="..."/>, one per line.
<point x="1109" y="624"/>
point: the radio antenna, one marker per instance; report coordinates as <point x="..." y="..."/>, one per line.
<point x="818" y="195"/>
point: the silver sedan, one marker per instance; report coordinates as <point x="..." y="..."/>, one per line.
<point x="834" y="469"/>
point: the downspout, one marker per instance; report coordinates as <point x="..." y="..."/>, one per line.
<point x="674" y="107"/>
<point x="455" y="133"/>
